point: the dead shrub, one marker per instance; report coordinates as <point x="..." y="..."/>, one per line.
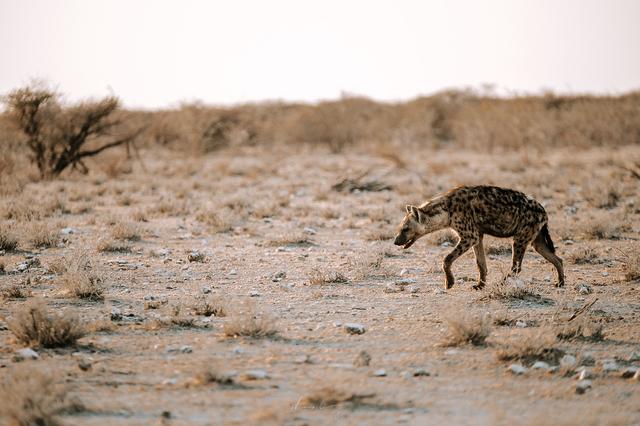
<point x="42" y="234"/>
<point x="604" y="228"/>
<point x="8" y="240"/>
<point x="531" y="346"/>
<point x="33" y="324"/>
<point x="208" y="306"/>
<point x="246" y="321"/>
<point x="371" y="265"/>
<point x="212" y="375"/>
<point x="510" y="289"/>
<point x="318" y="277"/>
<point x="465" y="328"/>
<point x="29" y="396"/>
<point x="631" y="265"/>
<point x="15" y="291"/>
<point x="292" y="239"/>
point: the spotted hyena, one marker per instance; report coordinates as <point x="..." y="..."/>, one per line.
<point x="472" y="211"/>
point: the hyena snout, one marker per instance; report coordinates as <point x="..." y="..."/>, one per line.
<point x="404" y="240"/>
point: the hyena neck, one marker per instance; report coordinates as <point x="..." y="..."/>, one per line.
<point x="434" y="216"/>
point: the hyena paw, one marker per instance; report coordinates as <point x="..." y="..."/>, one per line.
<point x="478" y="286"/>
<point x="560" y="284"/>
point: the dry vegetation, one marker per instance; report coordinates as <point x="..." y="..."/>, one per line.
<point x="216" y="262"/>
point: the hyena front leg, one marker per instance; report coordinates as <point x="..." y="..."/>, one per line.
<point x="481" y="261"/>
<point x="465" y="243"/>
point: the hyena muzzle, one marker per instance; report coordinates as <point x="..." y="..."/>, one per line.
<point x="472" y="212"/>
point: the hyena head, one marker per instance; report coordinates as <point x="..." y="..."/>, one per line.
<point x="420" y="221"/>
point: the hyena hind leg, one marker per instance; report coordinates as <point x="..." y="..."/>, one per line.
<point x="541" y="246"/>
<point x="481" y="261"/>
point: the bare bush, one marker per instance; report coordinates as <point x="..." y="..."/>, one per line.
<point x="29" y="396"/>
<point x="208" y="306"/>
<point x="34" y="324"/>
<point x="42" y="234"/>
<point x="82" y="280"/>
<point x="631" y="263"/>
<point x="330" y="396"/>
<point x="60" y="136"/>
<point x="125" y="231"/>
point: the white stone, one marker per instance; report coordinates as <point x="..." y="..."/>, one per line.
<point x="583" y="386"/>
<point x="27" y="353"/>
<point x="568" y="361"/>
<point x="540" y="365"/>
<point x="380" y="373"/>
<point x="517" y="369"/>
<point x="354" y="328"/>
<point x="256" y="375"/>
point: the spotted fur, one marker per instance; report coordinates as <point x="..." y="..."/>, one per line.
<point x="472" y="212"/>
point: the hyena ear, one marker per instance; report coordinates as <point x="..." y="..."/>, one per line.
<point x="415" y="212"/>
<point x="409" y="207"/>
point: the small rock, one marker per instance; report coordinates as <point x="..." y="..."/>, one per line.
<point x="583" y="386"/>
<point x="413" y="289"/>
<point x="255" y="375"/>
<point x="451" y="352"/>
<point x="587" y="358"/>
<point x="84" y="365"/>
<point x="517" y="369"/>
<point x="421" y="372"/>
<point x="629" y="372"/>
<point x="583" y="288"/>
<point x="196" y="256"/>
<point x="186" y="349"/>
<point x="67" y="231"/>
<point x="22" y="267"/>
<point x="540" y="365"/>
<point x="354" y="328"/>
<point x="404" y="271"/>
<point x="26" y="353"/>
<point x="279" y="276"/>
<point x="116" y="314"/>
<point x="521" y="324"/>
<point x="362" y="360"/>
<point x="390" y="288"/>
<point x="254" y="293"/>
<point x="439" y="291"/>
<point x="309" y="230"/>
<point x="568" y="361"/>
<point x="609" y="366"/>
<point x="206" y="289"/>
<point x="169" y="382"/>
<point x="446" y="244"/>
<point x="406" y="281"/>
<point x="380" y="373"/>
<point x="232" y="273"/>
<point x="605" y="274"/>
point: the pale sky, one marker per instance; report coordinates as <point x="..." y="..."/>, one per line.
<point x="154" y="53"/>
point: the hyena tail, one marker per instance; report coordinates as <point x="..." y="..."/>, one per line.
<point x="544" y="235"/>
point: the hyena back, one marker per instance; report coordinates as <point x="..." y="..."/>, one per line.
<point x="472" y="212"/>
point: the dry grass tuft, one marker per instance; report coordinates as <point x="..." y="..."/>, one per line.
<point x="466" y="328"/>
<point x="330" y="396"/>
<point x="583" y="255"/>
<point x="113" y="246"/>
<point x="371" y="265"/>
<point x="510" y="289"/>
<point x="319" y="277"/>
<point x="531" y="346"/>
<point x="15" y="291"/>
<point x="217" y="221"/>
<point x="583" y="328"/>
<point x="212" y="375"/>
<point x="8" y="240"/>
<point x="42" y="234"/>
<point x="33" y="324"/>
<point x="125" y="231"/>
<point x="631" y="264"/>
<point x="208" y="306"/>
<point x="82" y="280"/>
<point x="29" y="396"/>
<point x="245" y="321"/>
<point x="604" y="228"/>
<point x="292" y="239"/>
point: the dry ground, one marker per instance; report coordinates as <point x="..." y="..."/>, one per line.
<point x="262" y="236"/>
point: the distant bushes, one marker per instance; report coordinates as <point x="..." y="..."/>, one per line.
<point x="461" y="119"/>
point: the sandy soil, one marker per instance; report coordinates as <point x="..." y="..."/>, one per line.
<point x="288" y="229"/>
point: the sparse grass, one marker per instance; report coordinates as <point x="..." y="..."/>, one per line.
<point x="329" y="396"/>
<point x="83" y="284"/>
<point x="583" y="328"/>
<point x="34" y="324"/>
<point x="8" y="240"/>
<point x="465" y="328"/>
<point x="246" y="321"/>
<point x="380" y="234"/>
<point x="30" y="396"/>
<point x="370" y="265"/>
<point x="441" y="237"/>
<point x="212" y="375"/>
<point x="42" y="234"/>
<point x="604" y="228"/>
<point x="208" y="306"/>
<point x="530" y="346"/>
<point x="319" y="277"/>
